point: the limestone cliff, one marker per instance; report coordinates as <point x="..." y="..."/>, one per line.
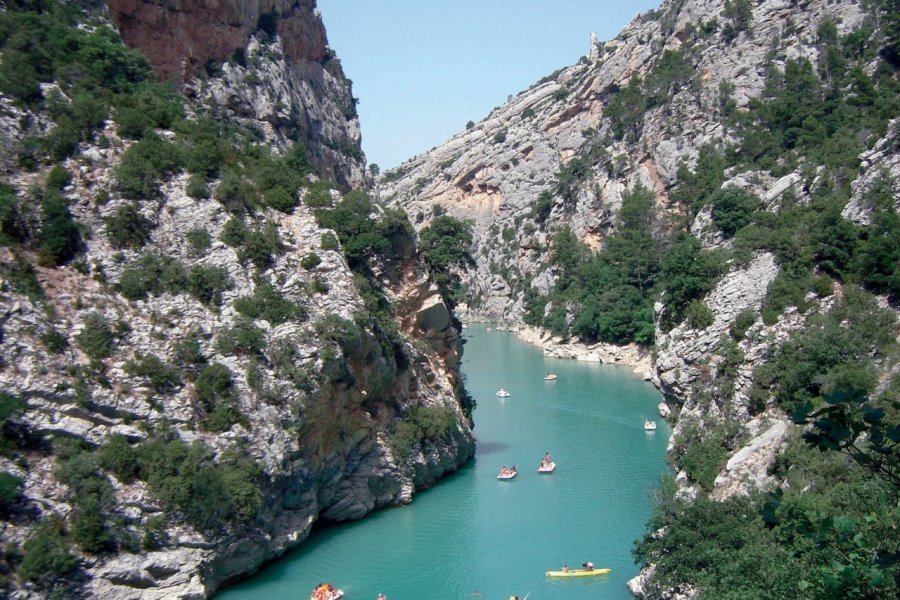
<point x="158" y="331"/>
<point x="265" y="61"/>
<point x="561" y="153"/>
<point x="494" y="172"/>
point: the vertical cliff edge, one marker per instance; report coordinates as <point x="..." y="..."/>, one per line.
<point x="208" y="343"/>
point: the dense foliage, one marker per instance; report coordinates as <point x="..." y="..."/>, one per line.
<point x="445" y="244"/>
<point x="609" y="296"/>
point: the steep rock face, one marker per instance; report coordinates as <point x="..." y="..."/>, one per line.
<point x="494" y="172"/>
<point x="266" y="62"/>
<point x="320" y="395"/>
<point x="324" y="453"/>
<point x="181" y="37"/>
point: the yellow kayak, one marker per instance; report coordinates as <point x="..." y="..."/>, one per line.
<point x="578" y="573"/>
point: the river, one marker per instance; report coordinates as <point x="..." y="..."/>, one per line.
<point x="473" y="533"/>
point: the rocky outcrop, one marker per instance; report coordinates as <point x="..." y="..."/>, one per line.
<point x="320" y="395"/>
<point x="264" y="63"/>
<point x="632" y="355"/>
<point x="684" y="354"/>
<point x="358" y="396"/>
<point x="880" y="166"/>
<point x="494" y="172"/>
<point x="181" y="37"/>
<point x="557" y="156"/>
<point x="748" y="468"/>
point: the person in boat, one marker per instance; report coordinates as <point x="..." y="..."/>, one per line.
<point x="565" y="569"/>
<point x="588" y="566"/>
<point x="513" y="470"/>
<point x="381" y="597"/>
<point x="547" y="460"/>
<point x="504" y="470"/>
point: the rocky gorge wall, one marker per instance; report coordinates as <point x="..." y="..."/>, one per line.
<point x="495" y="172"/>
<point x="266" y="62"/>
<point x="313" y="399"/>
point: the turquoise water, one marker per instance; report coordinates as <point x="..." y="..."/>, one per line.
<point x="475" y="533"/>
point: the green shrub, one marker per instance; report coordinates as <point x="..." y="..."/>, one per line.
<point x="215" y="390"/>
<point x="132" y="123"/>
<point x="10" y="491"/>
<point x="318" y="194"/>
<point x="267" y="303"/>
<point x="196" y="187"/>
<point x="423" y="424"/>
<point x="188" y="354"/>
<point x="344" y="332"/>
<point x="445" y="243"/>
<point x="60" y="238"/>
<point x="207" y="153"/>
<point x="208" y="283"/>
<point x="128" y="228"/>
<point x="234" y="233"/>
<point x="787" y="289"/>
<point x="47" y="558"/>
<point x="742" y="322"/>
<point x="20" y="277"/>
<point x="261" y="245"/>
<point x="121" y="458"/>
<point x="96" y="340"/>
<point x="89" y="529"/>
<point x="318" y="286"/>
<point x="242" y="339"/>
<point x="54" y="341"/>
<point x="834" y="354"/>
<point x="152" y="274"/>
<point x="542" y="206"/>
<point x="163" y="378"/>
<point x="58" y="178"/>
<point x="12" y="225"/>
<point x="91" y="493"/>
<point x="156" y="533"/>
<point x="198" y="240"/>
<point x="222" y="418"/>
<point x="311" y="261"/>
<point x="235" y="194"/>
<point x="732" y="209"/>
<point x="214" y="383"/>
<point x="698" y="315"/>
<point x="700" y="450"/>
<point x="281" y="199"/>
<point x="211" y="493"/>
<point x="330" y="242"/>
<point x="144" y="164"/>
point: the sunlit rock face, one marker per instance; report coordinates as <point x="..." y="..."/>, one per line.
<point x="181" y="36"/>
<point x="265" y="63"/>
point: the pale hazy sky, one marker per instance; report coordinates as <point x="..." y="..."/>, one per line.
<point x="423" y="68"/>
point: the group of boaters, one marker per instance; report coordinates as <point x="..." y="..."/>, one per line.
<point x="545" y="463"/>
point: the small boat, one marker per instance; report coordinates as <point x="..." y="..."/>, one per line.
<point x="550" y="377"/>
<point x="326" y="591"/>
<point x="501" y="393"/>
<point x="547" y="467"/>
<point x="507" y="475"/>
<point x="488" y="329"/>
<point x="578" y="573"/>
<point x="649" y="425"/>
